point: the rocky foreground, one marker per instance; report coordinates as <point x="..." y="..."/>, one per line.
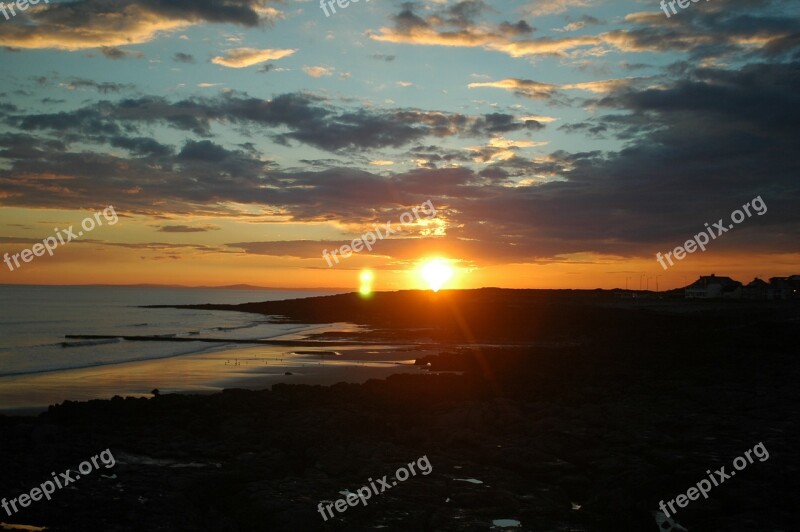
<point x="586" y="436"/>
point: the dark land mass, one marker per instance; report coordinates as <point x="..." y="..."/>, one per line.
<point x="593" y="410"/>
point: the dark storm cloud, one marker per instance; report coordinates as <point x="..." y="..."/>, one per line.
<point x="496" y="123"/>
<point x="520" y="167"/>
<point x="23" y="146"/>
<point x="748" y="29"/>
<point x="205" y="151"/>
<point x="143" y="146"/>
<point x="699" y="148"/>
<point x="707" y="103"/>
<point x="150" y="185"/>
<point x="236" y="11"/>
<point x="309" y="119"/>
<point x="76" y="122"/>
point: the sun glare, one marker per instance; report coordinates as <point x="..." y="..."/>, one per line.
<point x="436" y="273"/>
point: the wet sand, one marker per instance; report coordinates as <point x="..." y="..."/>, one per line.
<point x="212" y="371"/>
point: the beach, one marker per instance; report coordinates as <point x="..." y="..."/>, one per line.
<point x="521" y="433"/>
<point x="252" y="368"/>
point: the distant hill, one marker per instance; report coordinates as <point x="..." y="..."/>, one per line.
<point x="503" y="315"/>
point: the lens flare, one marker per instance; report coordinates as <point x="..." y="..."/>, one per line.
<point x="366" y="279"/>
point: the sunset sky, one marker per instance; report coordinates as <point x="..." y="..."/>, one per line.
<point x="563" y="143"/>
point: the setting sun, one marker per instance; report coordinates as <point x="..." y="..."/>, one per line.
<point x="436" y="273"/>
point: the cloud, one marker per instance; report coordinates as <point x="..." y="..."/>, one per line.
<point x="601" y="86"/>
<point x="204" y="151"/>
<point x="294" y="117"/>
<point x="527" y="88"/>
<point x="141" y="146"/>
<point x="539" y="118"/>
<point x="536" y="90"/>
<point x="583" y="22"/>
<point x="245" y="57"/>
<point x="181" y="57"/>
<point x="500" y="149"/>
<point x="318" y="71"/>
<point x="698" y="143"/>
<point x="725" y="29"/>
<point x="112" y="52"/>
<point x="104" y="87"/>
<point x="188" y="228"/>
<point x="455" y="26"/>
<point x="715" y="30"/>
<point x="383" y="57"/>
<point x="541" y="8"/>
<point x="85" y="24"/>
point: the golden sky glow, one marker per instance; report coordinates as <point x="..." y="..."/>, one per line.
<point x="136" y="251"/>
<point x="240" y="141"/>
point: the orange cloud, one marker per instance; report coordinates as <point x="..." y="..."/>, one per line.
<point x="317" y="71"/>
<point x="245" y="57"/>
<point x="534" y="47"/>
<point x="534" y="90"/>
<point x="131" y="24"/>
<point x="86" y="24"/>
<point x="472" y="38"/>
<point x="601" y="86"/>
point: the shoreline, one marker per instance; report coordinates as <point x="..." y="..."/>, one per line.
<point x="189" y="369"/>
<point x="210" y="371"/>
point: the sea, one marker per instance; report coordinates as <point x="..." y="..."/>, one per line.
<point x="40" y="366"/>
<point x="34" y="321"/>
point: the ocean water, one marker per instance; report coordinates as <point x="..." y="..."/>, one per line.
<point x="35" y="319"/>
